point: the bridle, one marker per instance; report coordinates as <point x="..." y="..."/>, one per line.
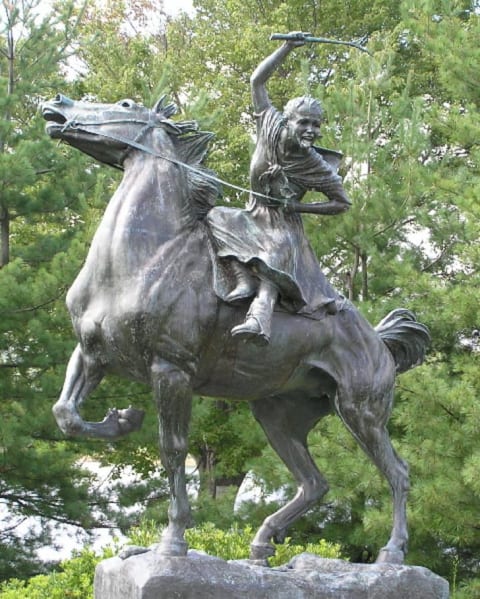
<point x="73" y="124"/>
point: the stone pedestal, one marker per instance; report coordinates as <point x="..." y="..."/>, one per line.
<point x="199" y="576"/>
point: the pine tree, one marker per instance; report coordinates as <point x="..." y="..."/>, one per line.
<point x="406" y="119"/>
<point x="40" y="208"/>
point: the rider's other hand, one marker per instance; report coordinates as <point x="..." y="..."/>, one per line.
<point x="291" y="206"/>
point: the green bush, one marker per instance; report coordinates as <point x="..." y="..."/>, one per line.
<point x="233" y="543"/>
<point x="467" y="590"/>
<point x="74" y="580"/>
<point x="287" y="550"/>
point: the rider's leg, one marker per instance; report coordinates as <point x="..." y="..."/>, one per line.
<point x="245" y="282"/>
<point x="257" y="325"/>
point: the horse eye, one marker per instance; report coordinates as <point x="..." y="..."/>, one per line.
<point x="126" y="103"/>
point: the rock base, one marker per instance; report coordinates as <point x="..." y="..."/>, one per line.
<point x="199" y="576"/>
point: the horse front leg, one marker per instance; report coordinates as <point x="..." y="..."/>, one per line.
<point x="80" y="380"/>
<point x="173" y="395"/>
<point x="82" y="377"/>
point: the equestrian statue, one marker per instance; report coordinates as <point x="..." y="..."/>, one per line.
<point x="192" y="298"/>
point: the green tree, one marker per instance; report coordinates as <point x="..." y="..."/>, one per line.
<point x="406" y="119"/>
<point x="41" y="207"/>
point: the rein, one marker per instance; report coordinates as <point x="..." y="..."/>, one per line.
<point x="135" y="143"/>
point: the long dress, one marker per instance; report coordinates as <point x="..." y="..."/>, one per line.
<point x="268" y="239"/>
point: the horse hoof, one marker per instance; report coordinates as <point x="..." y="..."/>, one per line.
<point x="390" y="556"/>
<point x="172" y="548"/>
<point x="130" y="419"/>
<point x="263" y="563"/>
<point x="261" y="551"/>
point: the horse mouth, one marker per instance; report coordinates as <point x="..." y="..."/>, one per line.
<point x="55" y="119"/>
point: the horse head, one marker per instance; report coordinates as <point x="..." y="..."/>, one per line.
<point x="108" y="131"/>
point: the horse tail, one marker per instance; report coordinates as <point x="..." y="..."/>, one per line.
<point x="406" y="338"/>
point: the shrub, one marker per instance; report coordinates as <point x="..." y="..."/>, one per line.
<point x="467" y="590"/>
<point x="73" y="581"/>
<point x="233" y="543"/>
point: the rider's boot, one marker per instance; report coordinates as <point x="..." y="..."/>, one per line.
<point x="245" y="283"/>
<point x="258" y="323"/>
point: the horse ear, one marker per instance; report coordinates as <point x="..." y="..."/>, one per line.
<point x="166" y="110"/>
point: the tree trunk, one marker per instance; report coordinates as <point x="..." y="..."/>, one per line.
<point x="364" y="261"/>
<point x="352" y="275"/>
<point x="4" y="237"/>
<point x="4" y="214"/>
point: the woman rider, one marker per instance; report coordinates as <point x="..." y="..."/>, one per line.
<point x="270" y="254"/>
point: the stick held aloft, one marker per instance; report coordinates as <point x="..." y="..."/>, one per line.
<point x="303" y="37"/>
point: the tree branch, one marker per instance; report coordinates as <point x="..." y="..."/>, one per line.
<point x="38" y="306"/>
<point x="450" y="413"/>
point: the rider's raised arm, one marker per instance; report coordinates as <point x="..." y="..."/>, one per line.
<point x="264" y="71"/>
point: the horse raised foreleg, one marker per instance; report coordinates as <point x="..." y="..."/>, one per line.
<point x="173" y="395"/>
<point x="366" y="420"/>
<point x="287" y="422"/>
<point x="81" y="378"/>
<point x="78" y="384"/>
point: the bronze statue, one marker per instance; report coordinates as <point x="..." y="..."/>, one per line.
<point x="144" y="307"/>
<point x="270" y="254"/>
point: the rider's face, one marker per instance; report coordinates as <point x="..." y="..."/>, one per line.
<point x="303" y="127"/>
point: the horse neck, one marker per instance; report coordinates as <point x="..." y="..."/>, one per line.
<point x="149" y="209"/>
<point x="157" y="190"/>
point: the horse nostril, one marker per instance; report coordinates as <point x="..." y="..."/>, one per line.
<point x="61" y="99"/>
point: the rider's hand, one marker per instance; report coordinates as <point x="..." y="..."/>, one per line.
<point x="298" y="38"/>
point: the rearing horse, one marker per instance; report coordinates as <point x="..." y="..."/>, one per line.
<point x="144" y="307"/>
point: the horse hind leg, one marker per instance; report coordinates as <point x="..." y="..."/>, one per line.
<point x="81" y="379"/>
<point x="366" y="420"/>
<point x="286" y="423"/>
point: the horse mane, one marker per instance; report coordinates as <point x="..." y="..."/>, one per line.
<point x="192" y="147"/>
<point x="192" y="150"/>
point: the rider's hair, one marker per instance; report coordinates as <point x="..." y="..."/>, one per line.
<point x="305" y="102"/>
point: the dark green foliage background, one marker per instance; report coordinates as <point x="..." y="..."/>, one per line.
<point x="407" y="120"/>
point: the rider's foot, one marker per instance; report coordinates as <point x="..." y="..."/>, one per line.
<point x="251" y="330"/>
<point x="243" y="290"/>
